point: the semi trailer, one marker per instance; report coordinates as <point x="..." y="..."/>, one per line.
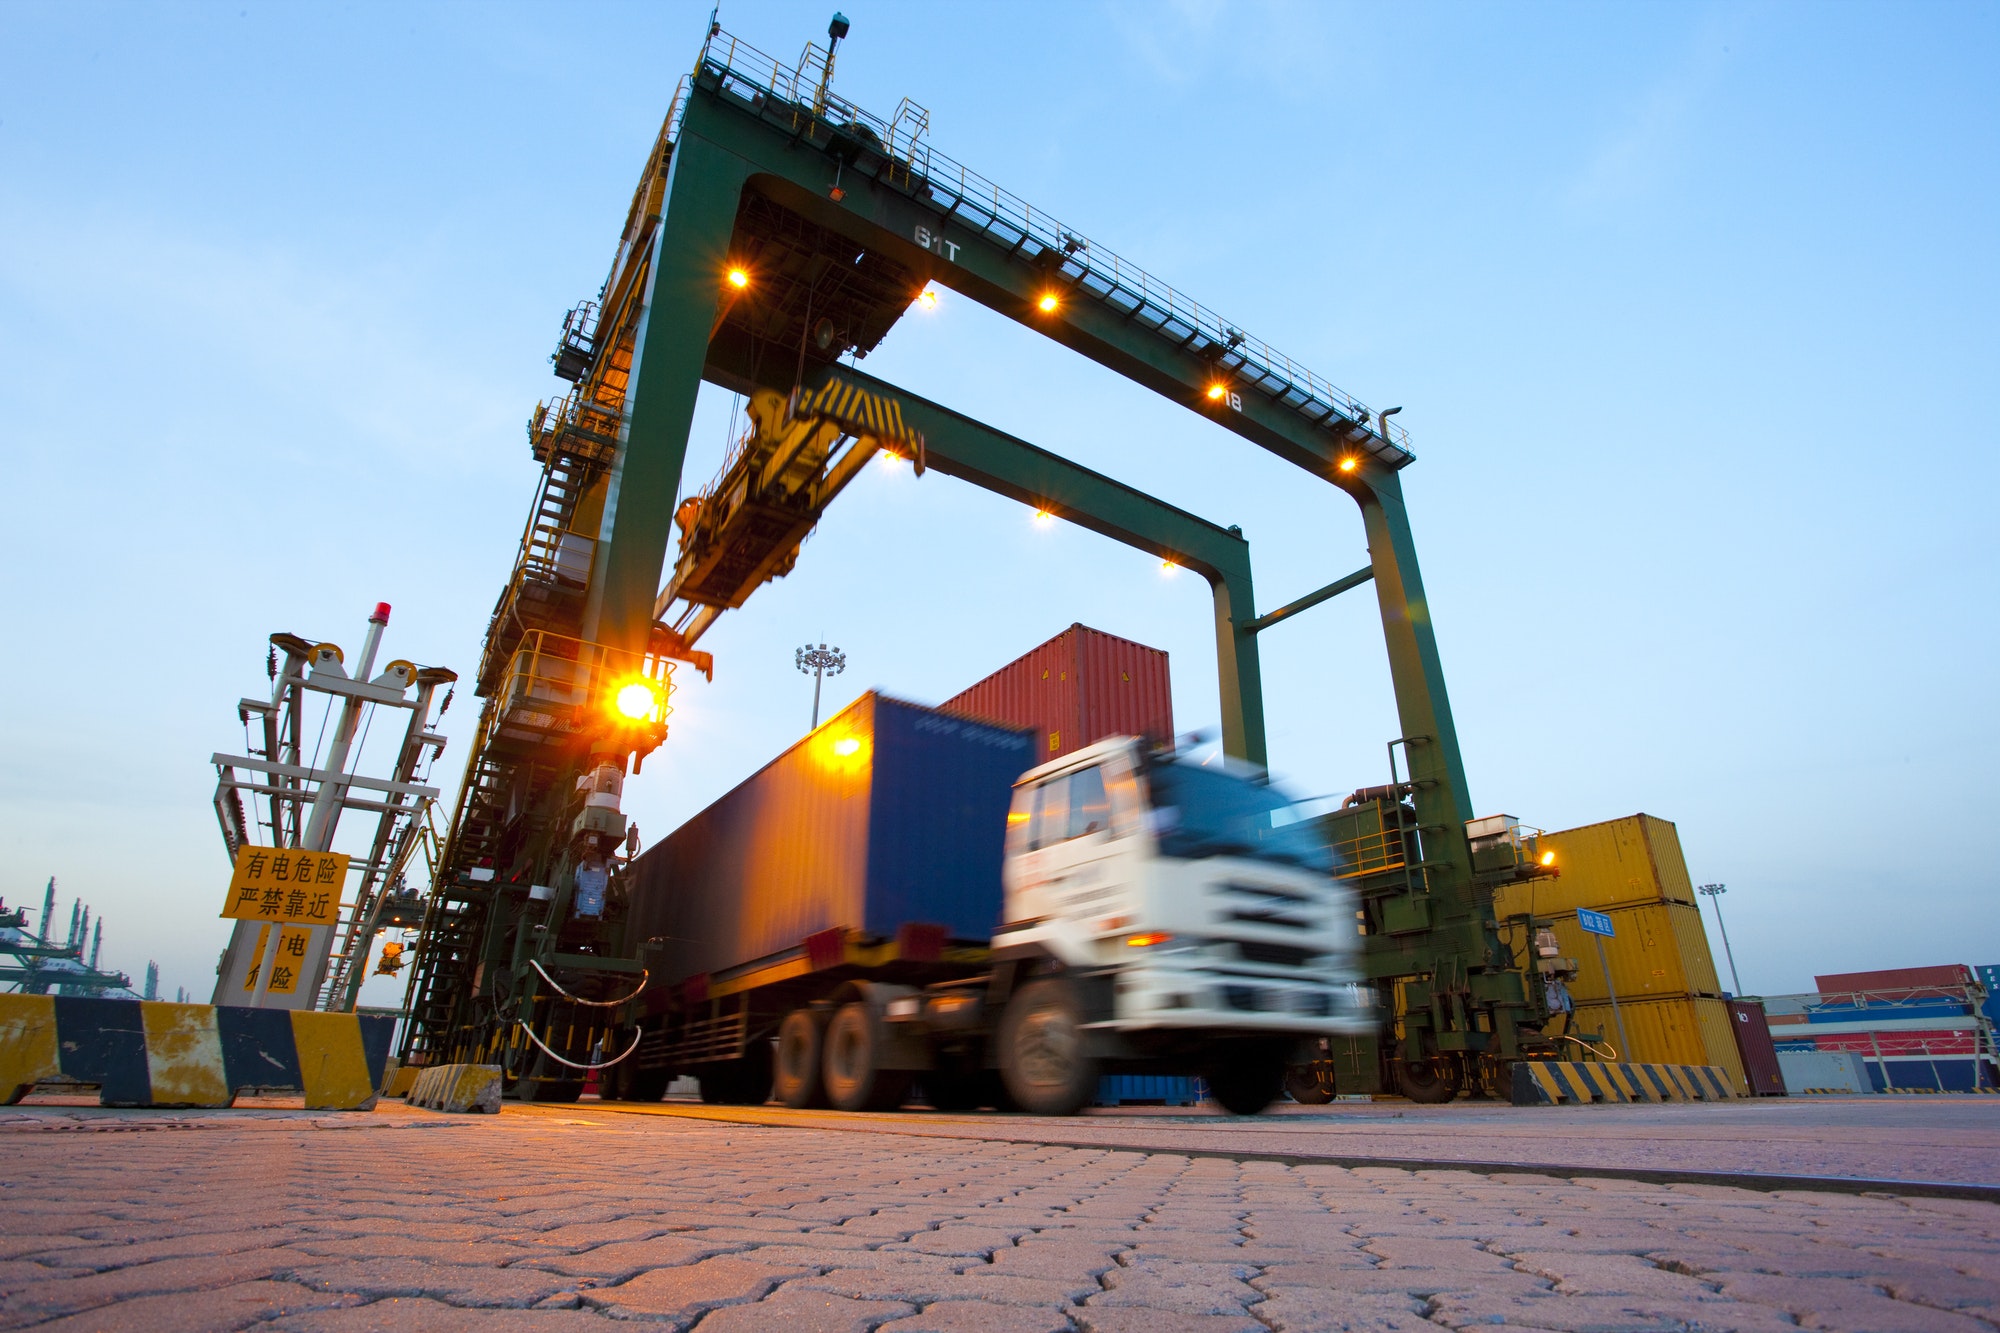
<point x="900" y="901"/>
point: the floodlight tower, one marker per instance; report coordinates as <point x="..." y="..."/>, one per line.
<point x="821" y="661"/>
<point x="1714" y="892"/>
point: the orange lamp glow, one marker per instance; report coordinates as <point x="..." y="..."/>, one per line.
<point x="1349" y="463"/>
<point x="1548" y="858"/>
<point x="927" y="298"/>
<point x="1048" y="303"/>
<point x="636" y="701"/>
<point x="847" y="747"/>
<point x="1147" y="940"/>
<point x="739" y="278"/>
<point x="1044" y="516"/>
<point x="1168" y="566"/>
<point x="1215" y="392"/>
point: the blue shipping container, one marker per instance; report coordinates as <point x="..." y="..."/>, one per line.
<point x="889" y="814"/>
<point x="1989" y="977"/>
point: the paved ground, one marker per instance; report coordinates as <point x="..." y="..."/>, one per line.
<point x="560" y="1219"/>
<point x="1952" y="1139"/>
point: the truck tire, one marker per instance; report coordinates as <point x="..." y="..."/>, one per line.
<point x="1310" y="1085"/>
<point x="849" y="1063"/>
<point x="1043" y="1061"/>
<point x="1428" y="1082"/>
<point x="1247" y="1083"/>
<point x="795" y="1077"/>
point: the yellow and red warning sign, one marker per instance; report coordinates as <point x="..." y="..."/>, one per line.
<point x="286" y="967"/>
<point x="283" y="884"/>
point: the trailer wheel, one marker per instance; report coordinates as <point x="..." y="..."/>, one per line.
<point x="849" y="1064"/>
<point x="796" y="1078"/>
<point x="1043" y="1062"/>
<point x="1246" y="1083"/>
<point x="645" y="1085"/>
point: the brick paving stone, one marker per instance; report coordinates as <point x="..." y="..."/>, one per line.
<point x="978" y="1317"/>
<point x="1186" y="1288"/>
<point x="239" y="1306"/>
<point x="960" y="1240"/>
<point x="1414" y="1252"/>
<point x="462" y="1283"/>
<point x="1599" y="1314"/>
<point x="413" y="1247"/>
<point x="881" y="1284"/>
<point x="1135" y="1319"/>
<point x="625" y="1258"/>
<point x="420" y="1315"/>
<point x="1311" y="1310"/>
<point x="18" y="1273"/>
<point x="45" y="1300"/>
<point x="690" y="1289"/>
<point x="1843" y="1305"/>
<point x="1611" y="1275"/>
<point x="1058" y="1260"/>
<point x="803" y="1312"/>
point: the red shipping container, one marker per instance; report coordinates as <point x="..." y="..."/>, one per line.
<point x="1079" y="687"/>
<point x="1754" y="1044"/>
<point x="1914" y="981"/>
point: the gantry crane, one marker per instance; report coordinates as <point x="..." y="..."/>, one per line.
<point x="777" y="231"/>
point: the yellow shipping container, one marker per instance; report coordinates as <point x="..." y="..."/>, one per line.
<point x="1660" y="949"/>
<point x="1677" y="1030"/>
<point x="1630" y="860"/>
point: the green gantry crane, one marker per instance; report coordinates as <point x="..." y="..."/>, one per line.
<point x="776" y="231"/>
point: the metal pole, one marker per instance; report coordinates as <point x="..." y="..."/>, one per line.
<point x="1714" y="892"/>
<point x="816" y="676"/>
<point x="1624" y="1045"/>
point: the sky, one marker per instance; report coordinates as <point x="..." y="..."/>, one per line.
<point x="1690" y="309"/>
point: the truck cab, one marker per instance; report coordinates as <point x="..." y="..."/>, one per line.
<point x="1167" y="915"/>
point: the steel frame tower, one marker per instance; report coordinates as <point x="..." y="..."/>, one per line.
<point x="778" y="229"/>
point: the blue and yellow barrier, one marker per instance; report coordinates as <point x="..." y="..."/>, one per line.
<point x="151" y="1053"/>
<point x="1554" y="1082"/>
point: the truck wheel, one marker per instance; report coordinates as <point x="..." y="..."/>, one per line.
<point x="1247" y="1083"/>
<point x="796" y="1078"/>
<point x="1042" y="1057"/>
<point x="848" y="1064"/>
<point x="1428" y="1082"/>
<point x="1310" y="1085"/>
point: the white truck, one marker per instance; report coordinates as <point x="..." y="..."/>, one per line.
<point x="1155" y="915"/>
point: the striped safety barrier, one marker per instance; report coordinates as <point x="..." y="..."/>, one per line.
<point x="152" y="1053"/>
<point x="1554" y="1082"/>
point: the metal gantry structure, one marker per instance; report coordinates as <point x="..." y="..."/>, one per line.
<point x="292" y="788"/>
<point x="42" y="964"/>
<point x="776" y="232"/>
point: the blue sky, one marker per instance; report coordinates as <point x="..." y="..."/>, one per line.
<point x="1690" y="308"/>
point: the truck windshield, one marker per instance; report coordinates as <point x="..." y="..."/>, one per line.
<point x="1202" y="811"/>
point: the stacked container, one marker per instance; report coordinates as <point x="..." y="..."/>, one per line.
<point x="1079" y="687"/>
<point x="1658" y="962"/>
<point x="1918" y="1028"/>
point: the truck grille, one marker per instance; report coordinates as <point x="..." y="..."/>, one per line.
<point x="1255" y="999"/>
<point x="1276" y="955"/>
